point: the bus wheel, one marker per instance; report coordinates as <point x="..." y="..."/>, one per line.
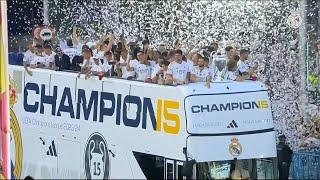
<point x="28" y="178"/>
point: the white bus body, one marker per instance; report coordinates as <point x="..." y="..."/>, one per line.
<point x="69" y="127"/>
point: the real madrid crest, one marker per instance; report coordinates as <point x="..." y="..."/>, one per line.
<point x="235" y="147"/>
<point x="16" y="155"/>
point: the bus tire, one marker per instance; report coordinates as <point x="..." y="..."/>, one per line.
<point x="28" y="178"/>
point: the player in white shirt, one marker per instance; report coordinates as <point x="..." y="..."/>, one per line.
<point x="245" y="67"/>
<point x="157" y="67"/>
<point x="38" y="61"/>
<point x="143" y="69"/>
<point x="97" y="68"/>
<point x="86" y="64"/>
<point x="48" y="55"/>
<point x="178" y="70"/>
<point x="232" y="73"/>
<point x="160" y="76"/>
<point x="70" y="51"/>
<point x="201" y="73"/>
<point x="28" y="57"/>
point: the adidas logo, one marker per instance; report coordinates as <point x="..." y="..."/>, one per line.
<point x="233" y="124"/>
<point x="52" y="150"/>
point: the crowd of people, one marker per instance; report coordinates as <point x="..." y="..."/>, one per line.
<point x="110" y="57"/>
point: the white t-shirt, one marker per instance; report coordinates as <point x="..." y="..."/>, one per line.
<point x="71" y="52"/>
<point x="155" y="70"/>
<point x="97" y="68"/>
<point x="28" y="57"/>
<point x="190" y="63"/>
<point x="243" y="66"/>
<point x="201" y="74"/>
<point x="132" y="64"/>
<point x="124" y="68"/>
<point x="106" y="66"/>
<point x="87" y="62"/>
<point x="231" y="75"/>
<point x="49" y="58"/>
<point x="38" y="59"/>
<point x="143" y="71"/>
<point x="178" y="71"/>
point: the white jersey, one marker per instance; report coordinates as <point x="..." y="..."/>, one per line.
<point x="28" y="57"/>
<point x="49" y="58"/>
<point x="243" y="66"/>
<point x="97" y="68"/>
<point x="71" y="52"/>
<point x="124" y="68"/>
<point x="201" y="74"/>
<point x="178" y="71"/>
<point x="190" y="63"/>
<point x="38" y="60"/>
<point x="143" y="71"/>
<point x="132" y="64"/>
<point x="231" y="75"/>
<point x="155" y="70"/>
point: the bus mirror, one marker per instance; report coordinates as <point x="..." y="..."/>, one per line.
<point x="187" y="168"/>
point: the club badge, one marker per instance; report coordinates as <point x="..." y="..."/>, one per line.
<point x="235" y="147"/>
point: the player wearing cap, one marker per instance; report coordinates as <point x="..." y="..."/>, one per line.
<point x="61" y="60"/>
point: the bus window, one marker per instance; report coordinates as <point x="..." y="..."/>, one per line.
<point x="179" y="166"/>
<point x="170" y="169"/>
<point x="237" y="169"/>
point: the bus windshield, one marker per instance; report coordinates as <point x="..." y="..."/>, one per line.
<point x="237" y="169"/>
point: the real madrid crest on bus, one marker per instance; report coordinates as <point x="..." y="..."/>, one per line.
<point x="96" y="157"/>
<point x="235" y="147"/>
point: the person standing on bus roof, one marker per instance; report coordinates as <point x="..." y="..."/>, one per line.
<point x="28" y="57"/>
<point x="201" y="73"/>
<point x="61" y="60"/>
<point x="284" y="154"/>
<point x="143" y="68"/>
<point x="178" y="70"/>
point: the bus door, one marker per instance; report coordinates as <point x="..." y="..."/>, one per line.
<point x="173" y="169"/>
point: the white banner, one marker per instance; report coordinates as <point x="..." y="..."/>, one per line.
<point x="228" y="113"/>
<point x="221" y="148"/>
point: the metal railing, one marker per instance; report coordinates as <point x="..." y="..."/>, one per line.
<point x="305" y="165"/>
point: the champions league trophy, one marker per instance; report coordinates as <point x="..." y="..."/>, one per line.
<point x="219" y="67"/>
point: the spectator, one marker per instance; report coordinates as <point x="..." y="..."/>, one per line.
<point x="244" y="65"/>
<point x="284" y="154"/>
<point x="201" y="73"/>
<point x="178" y="70"/>
<point x="232" y="72"/>
<point x="61" y="60"/>
<point x="48" y="55"/>
<point x="28" y="58"/>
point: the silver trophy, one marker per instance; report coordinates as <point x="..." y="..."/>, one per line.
<point x="219" y="67"/>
